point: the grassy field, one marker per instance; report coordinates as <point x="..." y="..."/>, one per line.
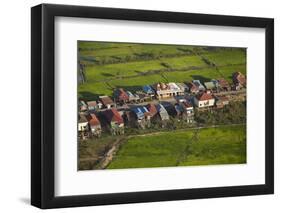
<point x="221" y="145"/>
<point x="110" y="65"/>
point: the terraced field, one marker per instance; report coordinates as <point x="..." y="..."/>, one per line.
<point x="110" y="65"/>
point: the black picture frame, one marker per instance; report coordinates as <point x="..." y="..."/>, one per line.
<point x="43" y="102"/>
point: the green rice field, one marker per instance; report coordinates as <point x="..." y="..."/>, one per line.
<point x="210" y="146"/>
<point x="110" y="65"/>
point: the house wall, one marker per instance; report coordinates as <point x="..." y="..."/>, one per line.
<point x="83" y="126"/>
<point x="95" y="128"/>
<point x="205" y="103"/>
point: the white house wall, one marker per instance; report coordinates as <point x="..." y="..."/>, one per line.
<point x="205" y="103"/>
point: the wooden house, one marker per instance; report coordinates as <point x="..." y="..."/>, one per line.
<point x="83" y="128"/>
<point x="82" y="106"/>
<point x="163" y="114"/>
<point x="170" y="108"/>
<point x="121" y="96"/>
<point x="92" y="105"/>
<point x="192" y="88"/>
<point x="188" y="111"/>
<point x="133" y="98"/>
<point x="152" y="110"/>
<point x="142" y="116"/>
<point x="185" y="111"/>
<point x="147" y="89"/>
<point x="223" y="85"/>
<point x="143" y="97"/>
<point x="179" y="109"/>
<point x="107" y="102"/>
<point x="221" y="101"/>
<point x="210" y="86"/>
<point x="114" y="121"/>
<point x="239" y="80"/>
<point x="183" y="87"/>
<point x="94" y="125"/>
<point x="198" y="85"/>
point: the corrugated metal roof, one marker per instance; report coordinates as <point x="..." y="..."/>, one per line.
<point x="147" y="89"/>
<point x="113" y="115"/>
<point x="204" y="96"/>
<point x="138" y="112"/>
<point x="93" y="120"/>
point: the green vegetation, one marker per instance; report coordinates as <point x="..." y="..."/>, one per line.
<point x="221" y="145"/>
<point x="234" y="113"/>
<point x="110" y="65"/>
<point x="227" y="57"/>
<point x="91" y="152"/>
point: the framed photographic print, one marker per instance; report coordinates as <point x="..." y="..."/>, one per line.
<point x="139" y="106"/>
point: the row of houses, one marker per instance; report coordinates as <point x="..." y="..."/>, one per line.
<point x="112" y="115"/>
<point x="167" y="90"/>
<point x="163" y="91"/>
<point x="115" y="119"/>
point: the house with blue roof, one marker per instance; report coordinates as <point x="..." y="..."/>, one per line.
<point x="142" y="116"/>
<point x="133" y="98"/>
<point x="199" y="85"/>
<point x="149" y="90"/>
<point x="164" y="116"/>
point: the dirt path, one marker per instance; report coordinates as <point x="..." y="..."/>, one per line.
<point x="183" y="155"/>
<point x="110" y="154"/>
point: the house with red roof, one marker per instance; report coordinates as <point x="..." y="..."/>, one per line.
<point x="106" y="101"/>
<point x="94" y="125"/>
<point x="120" y="96"/>
<point x="83" y="127"/>
<point x="239" y="80"/>
<point x="193" y="88"/>
<point x="114" y="121"/>
<point x="92" y="105"/>
<point x="221" y="101"/>
<point x="223" y="84"/>
<point x="82" y="106"/>
<point x="189" y="111"/>
<point x="152" y="109"/>
<point x="204" y="99"/>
